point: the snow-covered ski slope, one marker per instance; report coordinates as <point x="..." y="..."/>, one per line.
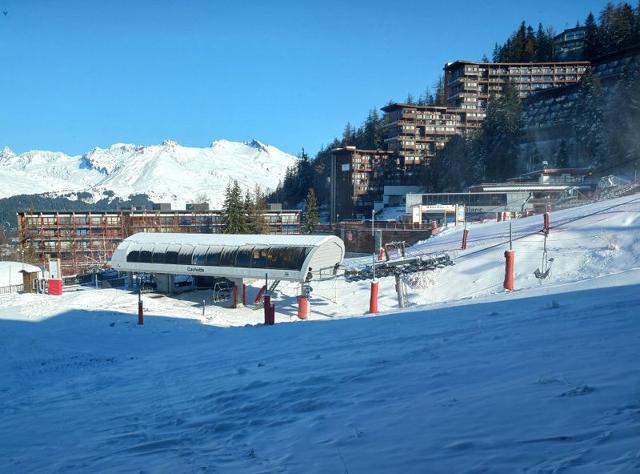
<point x="544" y="379"/>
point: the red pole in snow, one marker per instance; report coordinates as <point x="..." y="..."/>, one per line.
<point x="260" y="293"/>
<point x="465" y="236"/>
<point x="140" y="309"/>
<point x="434" y="227"/>
<point x="547" y="222"/>
<point x="373" y="300"/>
<point x="509" y="269"/>
<point x="303" y="307"/>
<point x="267" y="310"/>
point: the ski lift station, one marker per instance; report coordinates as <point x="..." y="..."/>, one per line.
<point x="237" y="257"/>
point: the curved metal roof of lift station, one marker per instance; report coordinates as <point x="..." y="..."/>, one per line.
<point x="282" y="257"/>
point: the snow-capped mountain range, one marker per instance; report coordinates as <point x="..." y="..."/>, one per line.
<point x="168" y="172"/>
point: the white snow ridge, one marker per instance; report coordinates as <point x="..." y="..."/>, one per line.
<point x="168" y="172"/>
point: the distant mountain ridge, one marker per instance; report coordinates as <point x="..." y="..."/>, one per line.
<point x="168" y="172"/>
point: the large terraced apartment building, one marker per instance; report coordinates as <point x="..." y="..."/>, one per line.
<point x="469" y="85"/>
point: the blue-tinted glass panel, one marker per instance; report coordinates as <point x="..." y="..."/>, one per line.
<point x="185" y="255"/>
<point x="213" y="256"/>
<point x="228" y="257"/>
<point x="199" y="256"/>
<point x="243" y="256"/>
<point x="287" y="258"/>
<point x="159" y="255"/>
<point x="171" y="257"/>
<point x="259" y="257"/>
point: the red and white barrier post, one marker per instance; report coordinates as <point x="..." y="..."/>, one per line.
<point x="381" y="254"/>
<point x="234" y="302"/>
<point x="465" y="236"/>
<point x="434" y="227"/>
<point x="509" y="269"/>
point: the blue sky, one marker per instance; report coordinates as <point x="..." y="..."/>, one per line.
<point x="83" y="73"/>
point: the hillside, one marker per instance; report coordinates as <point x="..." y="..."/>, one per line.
<point x="473" y="379"/>
<point x="168" y="172"/>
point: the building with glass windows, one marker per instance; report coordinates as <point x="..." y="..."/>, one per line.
<point x="300" y="258"/>
<point x="469" y="84"/>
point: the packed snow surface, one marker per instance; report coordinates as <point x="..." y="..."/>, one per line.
<point x="470" y="378"/>
<point x="168" y="172"/>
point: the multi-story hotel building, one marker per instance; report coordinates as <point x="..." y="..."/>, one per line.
<point x="356" y="180"/>
<point x="469" y="85"/>
<point x="86" y="240"/>
<point x="569" y="44"/>
<point x="415" y="132"/>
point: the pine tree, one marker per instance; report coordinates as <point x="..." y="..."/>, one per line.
<point x="591" y="38"/>
<point x="249" y="212"/>
<point x="562" y="156"/>
<point x="499" y="139"/>
<point x="544" y="45"/>
<point x="311" y="217"/>
<point x="259" y="208"/>
<point x="372" y="132"/>
<point x="233" y="212"/>
<point x="530" y="46"/>
<point x="496" y="55"/>
<point x="607" y="28"/>
<point x="440" y="99"/>
<point x="348" y="135"/>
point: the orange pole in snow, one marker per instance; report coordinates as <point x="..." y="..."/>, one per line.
<point x="303" y="307"/>
<point x="373" y="300"/>
<point x="509" y="269"/>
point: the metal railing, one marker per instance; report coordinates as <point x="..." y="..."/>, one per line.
<point x="5" y="290"/>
